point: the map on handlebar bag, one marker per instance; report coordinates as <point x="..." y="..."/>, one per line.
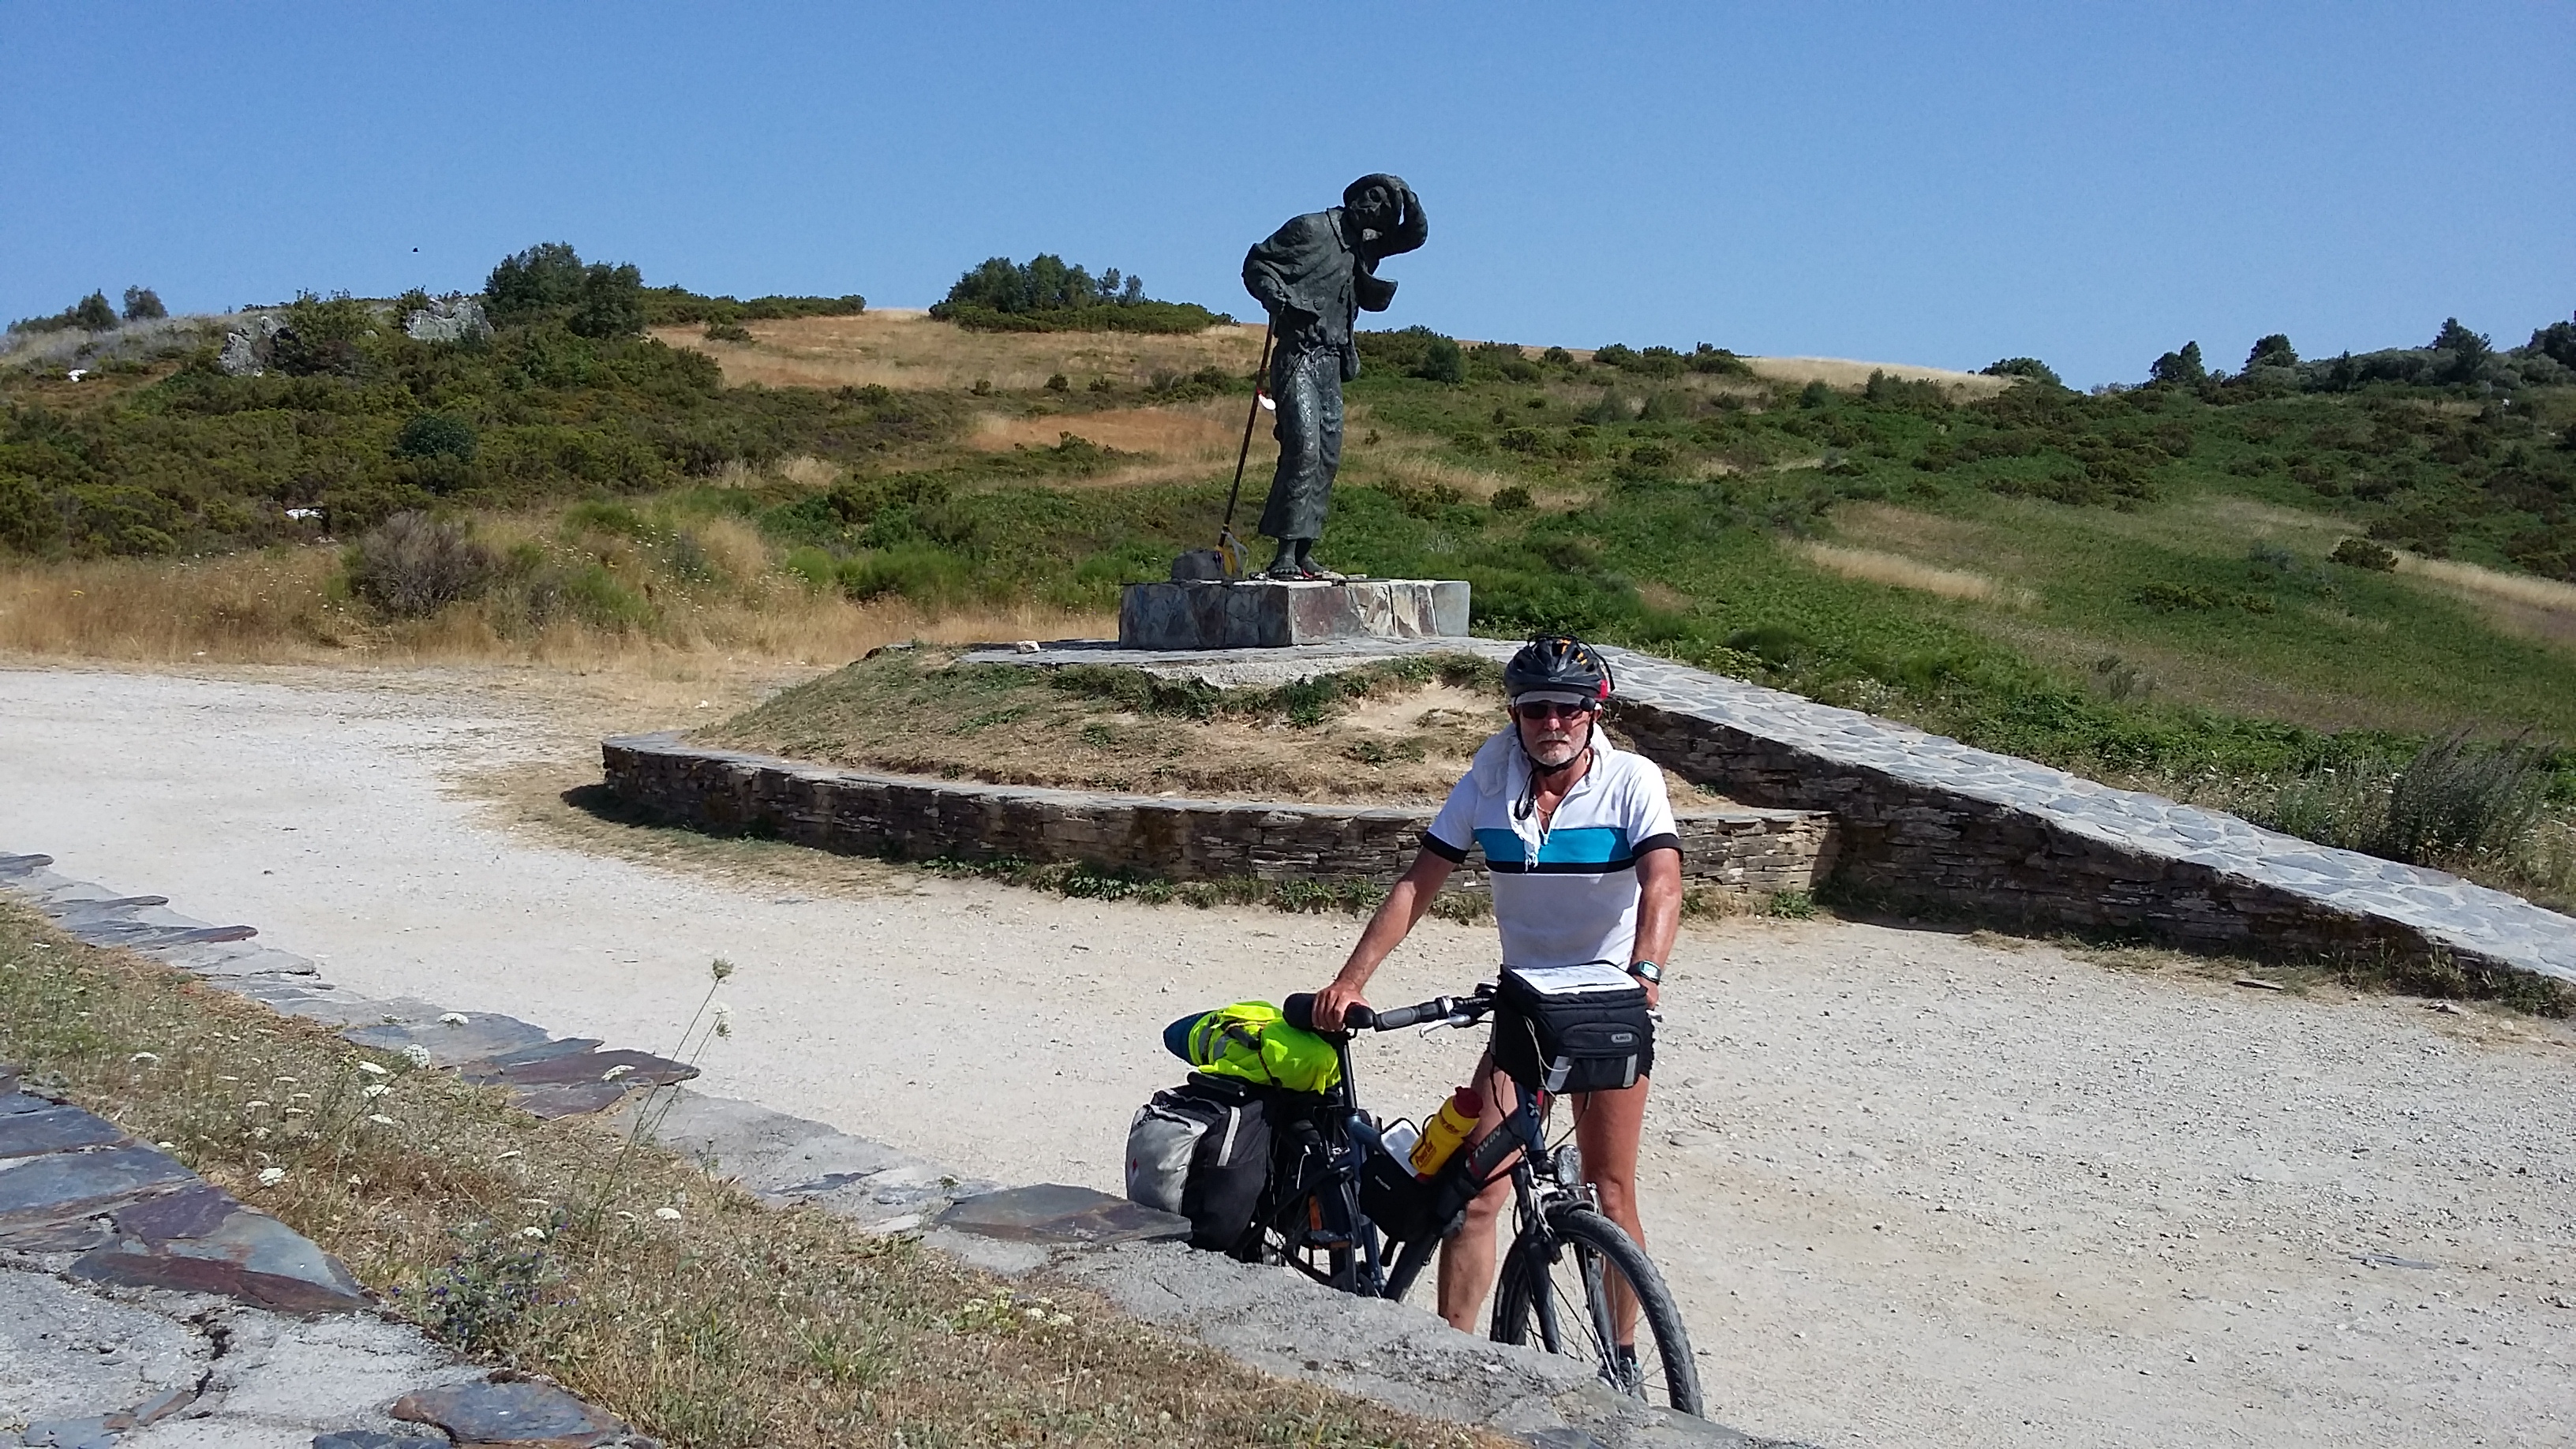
<point x="1587" y="978"/>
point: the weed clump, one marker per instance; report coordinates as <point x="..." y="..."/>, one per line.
<point x="413" y="565"/>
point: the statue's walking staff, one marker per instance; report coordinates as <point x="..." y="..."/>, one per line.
<point x="1229" y="547"/>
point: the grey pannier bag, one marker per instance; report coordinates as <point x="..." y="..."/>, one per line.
<point x="1201" y="1150"/>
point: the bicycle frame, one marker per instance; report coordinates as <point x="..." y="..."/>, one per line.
<point x="1352" y="1246"/>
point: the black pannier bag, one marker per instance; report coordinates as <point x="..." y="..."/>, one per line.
<point x="1202" y="1149"/>
<point x="1580" y="1028"/>
<point x="1408" y="1208"/>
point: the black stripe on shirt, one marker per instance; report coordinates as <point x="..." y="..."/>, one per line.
<point x="1454" y="854"/>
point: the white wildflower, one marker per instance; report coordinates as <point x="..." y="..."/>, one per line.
<point x="416" y="1054"/>
<point x="1037" y="1313"/>
<point x="453" y="1018"/>
<point x="1062" y="1320"/>
<point x="371" y="1069"/>
<point x="374" y="1089"/>
<point x="537" y="1233"/>
<point x="668" y="1215"/>
<point x="381" y="1120"/>
<point x="271" y="1176"/>
<point x="145" y="1057"/>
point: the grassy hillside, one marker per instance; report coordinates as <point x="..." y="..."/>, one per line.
<point x="2240" y="587"/>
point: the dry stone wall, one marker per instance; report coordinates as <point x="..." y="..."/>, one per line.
<point x="1757" y="852"/>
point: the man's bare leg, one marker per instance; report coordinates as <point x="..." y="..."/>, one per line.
<point x="1606" y="1128"/>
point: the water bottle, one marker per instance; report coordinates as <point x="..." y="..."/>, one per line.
<point x="1447" y="1128"/>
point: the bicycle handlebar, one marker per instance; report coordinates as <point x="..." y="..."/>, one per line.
<point x="1462" y="1010"/>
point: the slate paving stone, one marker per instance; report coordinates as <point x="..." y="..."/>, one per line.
<point x="64" y="1187"/>
<point x="362" y="1439"/>
<point x="137" y="937"/>
<point x="188" y="1213"/>
<point x="449" y="1045"/>
<point x="249" y="1257"/>
<point x="1051" y="1212"/>
<point x="233" y="959"/>
<point x="56" y="1129"/>
<point x="511" y="1413"/>
<point x="23" y="865"/>
<point x="639" y="1069"/>
<point x="571" y="1099"/>
<point x="542" y="1051"/>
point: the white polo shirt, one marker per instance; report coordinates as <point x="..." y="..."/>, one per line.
<point x="1567" y="894"/>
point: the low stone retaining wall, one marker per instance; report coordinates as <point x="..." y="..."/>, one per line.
<point x="1750" y="851"/>
<point x="1928" y="821"/>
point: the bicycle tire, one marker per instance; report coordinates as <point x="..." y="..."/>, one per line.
<point x="1596" y="1247"/>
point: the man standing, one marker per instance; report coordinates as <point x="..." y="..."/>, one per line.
<point x="1315" y="275"/>
<point x="1586" y="863"/>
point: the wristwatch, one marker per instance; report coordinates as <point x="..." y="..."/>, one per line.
<point x="1647" y="971"/>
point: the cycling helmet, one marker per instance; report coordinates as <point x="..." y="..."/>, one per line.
<point x="1561" y="667"/>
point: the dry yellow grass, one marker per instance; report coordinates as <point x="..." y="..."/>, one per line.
<point x="2520" y="604"/>
<point x="1843" y="373"/>
<point x="1898" y="571"/>
<point x="901" y="348"/>
<point x="279" y="607"/>
<point x="1208" y="429"/>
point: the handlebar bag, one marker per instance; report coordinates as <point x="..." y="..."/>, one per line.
<point x="1202" y="1150"/>
<point x="1581" y="1028"/>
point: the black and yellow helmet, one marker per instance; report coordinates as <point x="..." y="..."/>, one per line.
<point x="1559" y="665"/>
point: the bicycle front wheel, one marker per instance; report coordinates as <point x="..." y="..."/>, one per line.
<point x="1593" y="1295"/>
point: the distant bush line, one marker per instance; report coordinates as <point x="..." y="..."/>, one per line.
<point x="1045" y="294"/>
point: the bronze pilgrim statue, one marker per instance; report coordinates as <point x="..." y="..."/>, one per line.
<point x="1316" y="275"/>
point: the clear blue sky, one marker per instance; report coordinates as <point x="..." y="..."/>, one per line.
<point x="1932" y="184"/>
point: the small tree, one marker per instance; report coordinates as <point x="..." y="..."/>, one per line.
<point x="1443" y="362"/>
<point x="93" y="313"/>
<point x="2470" y="351"/>
<point x="2272" y="351"/>
<point x="142" y="304"/>
<point x="612" y="301"/>
<point x="549" y="274"/>
<point x="2180" y="369"/>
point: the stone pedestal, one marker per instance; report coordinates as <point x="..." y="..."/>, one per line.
<point x="1271" y="614"/>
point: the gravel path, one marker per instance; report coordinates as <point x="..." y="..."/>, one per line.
<point x="1915" y="1188"/>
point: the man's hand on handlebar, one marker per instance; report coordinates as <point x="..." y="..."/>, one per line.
<point x="1334" y="1000"/>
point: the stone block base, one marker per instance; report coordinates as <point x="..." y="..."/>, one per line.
<point x="1270" y="614"/>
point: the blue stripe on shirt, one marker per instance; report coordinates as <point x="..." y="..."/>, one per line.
<point x="1597" y="848"/>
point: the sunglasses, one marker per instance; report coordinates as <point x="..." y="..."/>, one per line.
<point x="1542" y="709"/>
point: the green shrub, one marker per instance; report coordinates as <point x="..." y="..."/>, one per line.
<point x="436" y="435"/>
<point x="1442" y="362"/>
<point x="1511" y="499"/>
<point x="28" y="524"/>
<point x="2456" y="800"/>
<point x="728" y="332"/>
<point x="2361" y="553"/>
<point x="2029" y="367"/>
<point x="413" y="565"/>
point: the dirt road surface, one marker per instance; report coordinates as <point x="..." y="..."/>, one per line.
<point x="1914" y="1188"/>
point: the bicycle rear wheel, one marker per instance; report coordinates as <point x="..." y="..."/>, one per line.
<point x="1573" y="1301"/>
